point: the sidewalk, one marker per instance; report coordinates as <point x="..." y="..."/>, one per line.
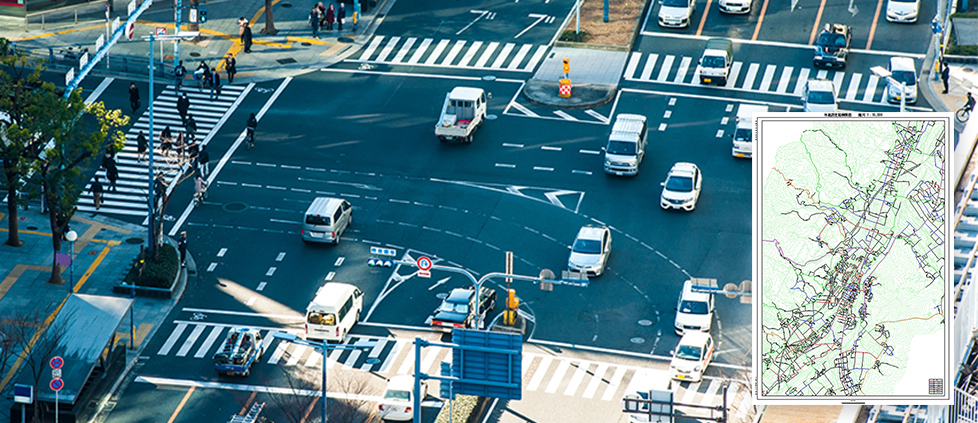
<point x="290" y="52"/>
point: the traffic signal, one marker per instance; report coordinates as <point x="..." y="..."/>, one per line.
<point x="203" y="15"/>
<point x="566" y="65"/>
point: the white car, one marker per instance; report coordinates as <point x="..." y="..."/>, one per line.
<point x="819" y="96"/>
<point x="903" y="11"/>
<point x="682" y="187"/>
<point x="398" y="398"/>
<point x="694" y="312"/>
<point x="903" y="70"/>
<point x="676" y="13"/>
<point x="734" y="6"/>
<point x="692" y="356"/>
<point x="591" y="250"/>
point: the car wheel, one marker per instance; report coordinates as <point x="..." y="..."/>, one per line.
<point x="246" y="372"/>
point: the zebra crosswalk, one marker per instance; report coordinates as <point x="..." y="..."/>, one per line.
<point x="452" y="53"/>
<point x="132" y="187"/>
<point x="543" y="373"/>
<point x="757" y="77"/>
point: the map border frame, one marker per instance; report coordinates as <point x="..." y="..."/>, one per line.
<point x="757" y="219"/>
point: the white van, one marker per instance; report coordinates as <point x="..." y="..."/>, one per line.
<point x="626" y="145"/>
<point x="904" y="71"/>
<point x="743" y="135"/>
<point x="326" y="219"/>
<point x="333" y="312"/>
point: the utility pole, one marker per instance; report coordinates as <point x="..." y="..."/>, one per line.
<point x="177" y="15"/>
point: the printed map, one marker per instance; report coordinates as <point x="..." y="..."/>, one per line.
<point x="852" y="224"/>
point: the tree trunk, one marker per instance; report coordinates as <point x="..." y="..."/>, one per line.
<point x="269" y="28"/>
<point x="13" y="239"/>
<point x="56" y="231"/>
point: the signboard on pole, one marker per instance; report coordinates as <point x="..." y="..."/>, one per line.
<point x="69" y="76"/>
<point x="57" y="384"/>
<point x="424" y="267"/>
<point x="161" y="31"/>
<point x="23" y="394"/>
<point x="115" y="24"/>
<point x="83" y="60"/>
<point x="57" y="362"/>
<point x="500" y="367"/>
<point x="132" y="7"/>
<point x="390" y="252"/>
<point x="130" y="28"/>
<point x="193" y="15"/>
<point x="99" y="42"/>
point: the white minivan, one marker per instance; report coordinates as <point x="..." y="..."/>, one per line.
<point x="326" y="219"/>
<point x="904" y="71"/>
<point x="334" y="311"/>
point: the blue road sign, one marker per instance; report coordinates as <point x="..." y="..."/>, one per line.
<point x="57" y="362"/>
<point x="23" y="394"/>
<point x="502" y="366"/>
<point x="390" y="252"/>
<point x="57" y="384"/>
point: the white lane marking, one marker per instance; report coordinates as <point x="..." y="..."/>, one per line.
<point x="313" y="359"/>
<point x="664" y="70"/>
<point x="612" y="388"/>
<point x="351" y="359"/>
<point x="420" y="51"/>
<point x="506" y="144"/>
<point x="785" y="79"/>
<point x="800" y="82"/>
<point x="632" y="64"/>
<point x="189" y="342"/>
<point x="370" y="48"/>
<point x="767" y="78"/>
<point x="261" y="286"/>
<point x="470" y="53"/>
<point x="439" y="283"/>
<point x="711" y="392"/>
<point x="683" y="69"/>
<point x="486" y="54"/>
<point x="270" y="272"/>
<point x="690" y="393"/>
<point x="597" y="116"/>
<point x="436" y="52"/>
<point x="595" y="380"/>
<point x="277" y="355"/>
<point x="481" y="13"/>
<point x="564" y="115"/>
<point x="870" y="88"/>
<point x="404" y="50"/>
<point x="210" y="267"/>
<point x="498" y="63"/>
<point x="662" y="127"/>
<point x="853" y="86"/>
<point x="408" y="362"/>
<point x="515" y="63"/>
<point x="649" y="65"/>
<point x="280" y="256"/>
<point x="549" y="148"/>
<point x="251" y="301"/>
<point x="221" y="252"/>
<point x="339" y="261"/>
<point x="539" y="373"/>
<point x="532" y="15"/>
<point x="165" y="349"/>
<point x="388" y="49"/>
<point x="211" y="337"/>
<point x="523" y="109"/>
<point x="453" y="53"/>
<point x="506" y="165"/>
<point x="393" y="354"/>
<point x="296" y="354"/>
<point x="536" y="58"/>
<point x="592" y="152"/>
<point x="751" y="75"/>
<point x="544" y="169"/>
<point x="581" y="172"/>
<point x="330" y="275"/>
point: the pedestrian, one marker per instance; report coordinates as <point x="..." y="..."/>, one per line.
<point x="141" y="146"/>
<point x="945" y="75"/>
<point x="215" y="84"/>
<point x="183" y="105"/>
<point x="231" y="66"/>
<point x="191" y="125"/>
<point x="203" y="161"/>
<point x="112" y="173"/>
<point x="193" y="148"/>
<point x="340" y="16"/>
<point x="182" y="246"/>
<point x="166" y="144"/>
<point x="179" y="72"/>
<point x="96" y="190"/>
<point x="134" y="97"/>
<point x="330" y="17"/>
<point x="314" y="21"/>
<point x="322" y="14"/>
<point x="108" y="160"/>
<point x="246" y="35"/>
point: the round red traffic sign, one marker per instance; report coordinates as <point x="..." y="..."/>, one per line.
<point x="57" y="362"/>
<point x="424" y="263"/>
<point x="57" y="384"/>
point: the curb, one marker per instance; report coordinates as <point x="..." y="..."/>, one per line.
<point x="586" y="96"/>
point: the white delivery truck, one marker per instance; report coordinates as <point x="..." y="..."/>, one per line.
<point x="743" y="135"/>
<point x="717" y="59"/>
<point x="463" y="113"/>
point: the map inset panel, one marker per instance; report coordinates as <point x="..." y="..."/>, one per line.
<point x="852" y="259"/>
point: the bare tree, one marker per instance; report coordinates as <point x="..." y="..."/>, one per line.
<point x="744" y="379"/>
<point x="35" y="341"/>
<point x="302" y="388"/>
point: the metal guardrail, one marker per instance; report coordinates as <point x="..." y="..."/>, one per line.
<point x="62" y="59"/>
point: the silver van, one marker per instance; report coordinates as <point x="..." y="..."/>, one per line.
<point x="904" y="71"/>
<point x="626" y="145"/>
<point x="326" y="219"/>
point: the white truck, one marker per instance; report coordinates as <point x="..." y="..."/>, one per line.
<point x="463" y="113"/>
<point x="743" y="135"/>
<point x="716" y="61"/>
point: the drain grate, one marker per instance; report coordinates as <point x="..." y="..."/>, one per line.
<point x="286" y="61"/>
<point x="134" y="241"/>
<point x="304" y="44"/>
<point x="194" y="54"/>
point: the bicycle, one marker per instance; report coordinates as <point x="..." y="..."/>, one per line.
<point x="250" y="138"/>
<point x="963" y="114"/>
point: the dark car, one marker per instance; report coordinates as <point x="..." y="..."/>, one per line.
<point x="832" y="46"/>
<point x="457" y="310"/>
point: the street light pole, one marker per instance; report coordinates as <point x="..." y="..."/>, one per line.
<point x="324" y="380"/>
<point x="71" y="236"/>
<point x="152" y="138"/>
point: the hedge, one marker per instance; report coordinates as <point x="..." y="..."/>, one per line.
<point x="158" y="273"/>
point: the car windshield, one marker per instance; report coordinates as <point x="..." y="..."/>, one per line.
<point x="713" y="62"/>
<point x="587" y="246"/>
<point x="694" y="307"/>
<point x="462" y="308"/>
<point x="401" y="396"/>
<point x="621" y="147"/>
<point x="743" y="134"/>
<point x="675" y="3"/>
<point x="832" y="40"/>
<point x="905" y="77"/>
<point x="821" y="97"/>
<point x="689" y="352"/>
<point x="679" y="184"/>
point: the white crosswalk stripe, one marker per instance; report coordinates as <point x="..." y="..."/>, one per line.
<point x="755" y="77"/>
<point x="550" y="374"/>
<point x="132" y="187"/>
<point x="452" y="53"/>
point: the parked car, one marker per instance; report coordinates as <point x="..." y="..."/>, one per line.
<point x="735" y="6"/>
<point x="682" y="187"/>
<point x="903" y="70"/>
<point x="398" y="400"/>
<point x="819" y="96"/>
<point x="902" y="11"/>
<point x="458" y="309"/>
<point x="590" y="250"/>
<point x="692" y="356"/>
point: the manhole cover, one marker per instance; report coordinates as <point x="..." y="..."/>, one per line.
<point x="194" y="54"/>
<point x="637" y="340"/>
<point x="32" y="228"/>
<point x="235" y="207"/>
<point x="345" y="40"/>
<point x="134" y="241"/>
<point x="285" y="5"/>
<point x="489" y="78"/>
<point x="441" y="296"/>
<point x="373" y="360"/>
<point x="645" y="322"/>
<point x="286" y="61"/>
<point x="305" y="44"/>
<point x="491" y="117"/>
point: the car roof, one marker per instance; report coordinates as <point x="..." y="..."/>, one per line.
<point x="683" y="169"/>
<point x="591" y="232"/>
<point x="689" y="294"/>
<point x="902" y="64"/>
<point x="815" y="84"/>
<point x="695" y="338"/>
<point x="465" y="93"/>
<point x="401" y="382"/>
<point x="460" y="294"/>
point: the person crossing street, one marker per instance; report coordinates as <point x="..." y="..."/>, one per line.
<point x="231" y="66"/>
<point x="215" y="84"/>
<point x="134" y="97"/>
<point x="183" y="105"/>
<point x="179" y="72"/>
<point x="96" y="190"/>
<point x="203" y="161"/>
